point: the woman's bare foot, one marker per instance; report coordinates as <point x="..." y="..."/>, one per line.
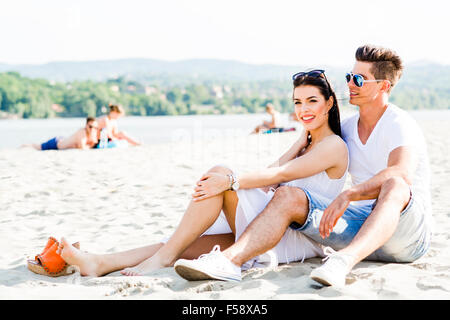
<point x="146" y="266"/>
<point x="88" y="264"/>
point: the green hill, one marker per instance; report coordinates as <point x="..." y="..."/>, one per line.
<point x="154" y="87"/>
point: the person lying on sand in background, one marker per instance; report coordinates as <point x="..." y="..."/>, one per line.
<point x="317" y="161"/>
<point x="84" y="138"/>
<point x="275" y="120"/>
<point x="109" y="124"/>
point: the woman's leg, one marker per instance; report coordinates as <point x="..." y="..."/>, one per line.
<point x="230" y="201"/>
<point x="100" y="264"/>
<point x="129" y="139"/>
<point x="148" y="258"/>
<point x="198" y="217"/>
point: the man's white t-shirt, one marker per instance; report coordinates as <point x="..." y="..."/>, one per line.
<point x="395" y="128"/>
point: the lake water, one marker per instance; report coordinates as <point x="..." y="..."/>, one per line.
<point x="158" y="129"/>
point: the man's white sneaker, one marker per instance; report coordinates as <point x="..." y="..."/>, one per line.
<point x="334" y="270"/>
<point x="213" y="265"/>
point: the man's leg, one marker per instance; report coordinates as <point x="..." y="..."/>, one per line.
<point x="288" y="204"/>
<point x="380" y="225"/>
<point x="376" y="230"/>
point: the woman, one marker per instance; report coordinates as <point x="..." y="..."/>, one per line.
<point x="318" y="160"/>
<point x="108" y="129"/>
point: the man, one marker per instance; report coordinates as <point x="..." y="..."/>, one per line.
<point x="84" y="138"/>
<point x="384" y="216"/>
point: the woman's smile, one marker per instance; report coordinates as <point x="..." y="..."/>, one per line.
<point x="307" y="118"/>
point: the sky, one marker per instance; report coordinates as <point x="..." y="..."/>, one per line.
<point x="281" y="32"/>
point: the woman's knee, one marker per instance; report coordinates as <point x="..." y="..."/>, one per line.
<point x="220" y="169"/>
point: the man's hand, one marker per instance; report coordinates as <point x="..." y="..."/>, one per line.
<point x="332" y="214"/>
<point x="211" y="184"/>
<point x="268" y="188"/>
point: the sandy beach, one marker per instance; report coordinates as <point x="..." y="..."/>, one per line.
<point x="118" y="199"/>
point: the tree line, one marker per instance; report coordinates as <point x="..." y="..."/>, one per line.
<point x="39" y="98"/>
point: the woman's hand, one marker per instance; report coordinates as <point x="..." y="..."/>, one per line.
<point x="211" y="184"/>
<point x="304" y="139"/>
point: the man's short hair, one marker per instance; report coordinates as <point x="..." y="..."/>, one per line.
<point x="90" y="119"/>
<point x="386" y="63"/>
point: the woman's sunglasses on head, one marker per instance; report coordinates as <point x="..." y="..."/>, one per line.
<point x="312" y="73"/>
<point x="318" y="73"/>
<point x="358" y="79"/>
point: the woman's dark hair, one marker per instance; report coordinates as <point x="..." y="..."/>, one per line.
<point x="321" y="83"/>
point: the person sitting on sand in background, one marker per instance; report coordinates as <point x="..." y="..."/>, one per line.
<point x="386" y="214"/>
<point x="84" y="138"/>
<point x="318" y="160"/>
<point x="275" y="120"/>
<point x="293" y="117"/>
<point x="108" y="123"/>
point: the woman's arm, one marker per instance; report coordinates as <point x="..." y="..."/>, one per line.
<point x="290" y="154"/>
<point x="328" y="154"/>
<point x="293" y="151"/>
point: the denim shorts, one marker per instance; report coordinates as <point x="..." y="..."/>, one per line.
<point x="409" y="242"/>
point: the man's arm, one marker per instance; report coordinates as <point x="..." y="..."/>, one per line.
<point x="401" y="163"/>
<point x="82" y="143"/>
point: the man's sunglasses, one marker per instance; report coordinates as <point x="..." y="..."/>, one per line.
<point x="92" y="127"/>
<point x="313" y="73"/>
<point x="358" y="79"/>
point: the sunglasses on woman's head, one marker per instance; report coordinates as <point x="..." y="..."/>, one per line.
<point x="312" y="73"/>
<point x="358" y="79"/>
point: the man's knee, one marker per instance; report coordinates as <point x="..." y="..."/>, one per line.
<point x="294" y="201"/>
<point x="397" y="189"/>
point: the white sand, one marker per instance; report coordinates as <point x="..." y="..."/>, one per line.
<point x="113" y="200"/>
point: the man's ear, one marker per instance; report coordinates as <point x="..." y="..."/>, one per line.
<point x="386" y="85"/>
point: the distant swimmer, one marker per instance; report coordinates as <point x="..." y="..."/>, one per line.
<point x="274" y="123"/>
<point x="84" y="138"/>
<point x="108" y="124"/>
